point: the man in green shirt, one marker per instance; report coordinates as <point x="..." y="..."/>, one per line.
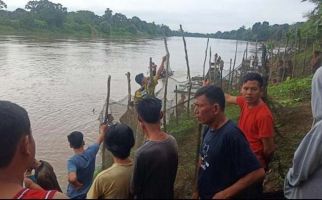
<point x="147" y="85"/>
<point x="114" y="182"/>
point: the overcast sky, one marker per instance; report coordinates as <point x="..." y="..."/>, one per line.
<point x="203" y="16"/>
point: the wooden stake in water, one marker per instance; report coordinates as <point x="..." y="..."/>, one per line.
<point x="129" y="89"/>
<point x="204" y="62"/>
<point x="188" y="70"/>
<point x="104" y="158"/>
<point x="166" y="86"/>
<point x="232" y="75"/>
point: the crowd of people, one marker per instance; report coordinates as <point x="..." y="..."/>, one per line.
<point x="233" y="157"/>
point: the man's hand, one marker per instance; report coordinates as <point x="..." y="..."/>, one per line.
<point x="220" y="195"/>
<point x="205" y="82"/>
<point x="164" y="58"/>
<point x="102" y="131"/>
<point x="31" y="185"/>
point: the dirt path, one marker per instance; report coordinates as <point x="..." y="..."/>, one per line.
<point x="293" y="123"/>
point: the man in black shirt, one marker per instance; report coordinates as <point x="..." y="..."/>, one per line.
<point x="156" y="161"/>
<point x="228" y="168"/>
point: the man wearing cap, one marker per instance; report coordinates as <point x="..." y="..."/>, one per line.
<point x="147" y="85"/>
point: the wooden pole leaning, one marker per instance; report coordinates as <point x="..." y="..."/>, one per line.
<point x="104" y="153"/>
<point x="165" y="86"/>
<point x="188" y="70"/>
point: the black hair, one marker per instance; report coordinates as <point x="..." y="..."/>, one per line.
<point x="253" y="76"/>
<point x="213" y="94"/>
<point x="75" y="139"/>
<point x="14" y="124"/>
<point x="119" y="139"/>
<point x="149" y="109"/>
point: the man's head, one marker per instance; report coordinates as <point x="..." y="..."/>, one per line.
<point x="149" y="110"/>
<point x="16" y="143"/>
<point x="119" y="139"/>
<point x="140" y="79"/>
<point x="252" y="87"/>
<point x="210" y="103"/>
<point x="76" y="140"/>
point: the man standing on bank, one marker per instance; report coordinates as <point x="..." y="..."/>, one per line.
<point x="256" y="120"/>
<point x="156" y="161"/>
<point x="228" y="168"/>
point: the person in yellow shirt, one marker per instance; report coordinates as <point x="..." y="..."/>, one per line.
<point x="114" y="182"/>
<point x="147" y="85"/>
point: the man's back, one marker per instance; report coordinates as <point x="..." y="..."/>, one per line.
<point x="112" y="183"/>
<point x="84" y="166"/>
<point x="155" y="169"/>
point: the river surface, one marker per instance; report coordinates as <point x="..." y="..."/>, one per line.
<point x="62" y="82"/>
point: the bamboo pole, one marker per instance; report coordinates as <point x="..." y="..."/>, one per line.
<point x="304" y="62"/>
<point x="150" y="70"/>
<point x="128" y="75"/>
<point x="188" y="70"/>
<point x="104" y="158"/>
<point x="209" y="71"/>
<point x="229" y="76"/>
<point x="166" y="86"/>
<point x="204" y="62"/>
<point x="177" y="114"/>
<point x="232" y="75"/>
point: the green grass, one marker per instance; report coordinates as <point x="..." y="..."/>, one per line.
<point x="291" y="91"/>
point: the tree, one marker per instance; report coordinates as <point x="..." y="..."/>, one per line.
<point x="2" y="5"/>
<point x="53" y="14"/>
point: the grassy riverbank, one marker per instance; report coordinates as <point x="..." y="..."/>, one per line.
<point x="293" y="119"/>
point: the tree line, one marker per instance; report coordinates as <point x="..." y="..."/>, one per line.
<point x="46" y="16"/>
<point x="43" y="15"/>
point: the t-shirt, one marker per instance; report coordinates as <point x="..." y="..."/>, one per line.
<point x="27" y="193"/>
<point x="256" y="123"/>
<point x="225" y="158"/>
<point x="146" y="90"/>
<point x="84" y="166"/>
<point x="112" y="183"/>
<point x="155" y="169"/>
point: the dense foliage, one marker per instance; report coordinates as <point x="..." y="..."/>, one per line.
<point x="45" y="16"/>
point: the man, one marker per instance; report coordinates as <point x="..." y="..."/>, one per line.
<point x="156" y="160"/>
<point x="228" y="168"/>
<point x="114" y="182"/>
<point x="44" y="175"/>
<point x="81" y="166"/>
<point x="147" y="85"/>
<point x="256" y="120"/>
<point x="17" y="154"/>
<point x="304" y="178"/>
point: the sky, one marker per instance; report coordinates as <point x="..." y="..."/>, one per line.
<point x="202" y="16"/>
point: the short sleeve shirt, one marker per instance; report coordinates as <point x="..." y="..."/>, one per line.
<point x="225" y="158"/>
<point x="146" y="90"/>
<point x="256" y="123"/>
<point x="84" y="166"/>
<point x="112" y="183"/>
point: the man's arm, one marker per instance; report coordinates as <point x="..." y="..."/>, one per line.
<point x="269" y="148"/>
<point x="230" y="99"/>
<point x="72" y="179"/>
<point x="102" y="131"/>
<point x="161" y="68"/>
<point x="241" y="184"/>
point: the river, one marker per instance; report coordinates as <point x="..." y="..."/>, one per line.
<point x="61" y="82"/>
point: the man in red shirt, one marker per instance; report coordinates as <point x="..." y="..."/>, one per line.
<point x="256" y="120"/>
<point x="17" y="154"/>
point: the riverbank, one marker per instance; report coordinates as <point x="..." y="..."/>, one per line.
<point x="293" y="119"/>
